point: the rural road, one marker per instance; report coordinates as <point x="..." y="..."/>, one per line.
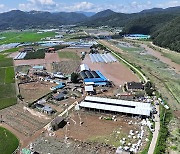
<point x="157" y="118"/>
<point x="155" y="133"/>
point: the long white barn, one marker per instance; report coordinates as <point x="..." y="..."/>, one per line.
<point x="116" y="105"/>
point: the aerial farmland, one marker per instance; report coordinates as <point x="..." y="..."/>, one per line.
<point x="76" y="95"/>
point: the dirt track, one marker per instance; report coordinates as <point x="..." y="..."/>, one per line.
<point x="166" y="60"/>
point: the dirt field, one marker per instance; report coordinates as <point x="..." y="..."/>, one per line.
<point x="22" y="121"/>
<point x="49" y="58"/>
<point x="116" y="72"/>
<point x="34" y="90"/>
<point x="66" y="67"/>
<point x="47" y="145"/>
<point x="92" y="126"/>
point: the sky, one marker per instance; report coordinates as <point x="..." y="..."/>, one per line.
<point x="124" y="6"/>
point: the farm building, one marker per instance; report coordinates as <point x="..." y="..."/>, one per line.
<point x="47" y="109"/>
<point x="137" y="36"/>
<point x="57" y="123"/>
<point x="102" y="58"/>
<point x="20" y="56"/>
<point x="89" y="89"/>
<point x="59" y="86"/>
<point x="84" y="67"/>
<point x="134" y="86"/>
<point x="59" y="96"/>
<point x="38" y="67"/>
<point x="44" y="108"/>
<point x="94" y="78"/>
<point x="116" y="105"/>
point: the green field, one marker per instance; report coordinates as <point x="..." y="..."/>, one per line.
<point x="6" y="62"/>
<point x="2" y="75"/>
<point x="7" y="85"/>
<point x="39" y="54"/>
<point x="7" y="91"/>
<point x="10" y="50"/>
<point x="68" y="55"/>
<point x="27" y="36"/>
<point x="8" y="141"/>
<point x="10" y="75"/>
<point x="6" y="102"/>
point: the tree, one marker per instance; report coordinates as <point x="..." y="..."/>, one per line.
<point x="74" y="77"/>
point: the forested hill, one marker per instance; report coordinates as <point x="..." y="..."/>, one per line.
<point x="169" y="35"/>
<point x="17" y="19"/>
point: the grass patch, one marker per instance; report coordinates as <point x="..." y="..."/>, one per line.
<point x="10" y="75"/>
<point x="2" y="75"/>
<point x="68" y="55"/>
<point x="129" y="49"/>
<point x="112" y="139"/>
<point x="165" y="117"/>
<point x="2" y="56"/>
<point x="174" y="57"/>
<point x="7" y="91"/>
<point x="8" y="141"/>
<point x="10" y="50"/>
<point x="6" y="62"/>
<point x="39" y="54"/>
<point x="6" y="102"/>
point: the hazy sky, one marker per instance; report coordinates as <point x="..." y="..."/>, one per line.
<point x="126" y="6"/>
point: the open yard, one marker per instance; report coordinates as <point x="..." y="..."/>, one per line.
<point x="8" y="141"/>
<point x="88" y="127"/>
<point x="34" y="90"/>
<point x="116" y="72"/>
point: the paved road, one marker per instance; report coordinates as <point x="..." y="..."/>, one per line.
<point x="155" y="133"/>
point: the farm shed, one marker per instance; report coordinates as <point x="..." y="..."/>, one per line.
<point x="134" y="86"/>
<point x="59" y="97"/>
<point x="47" y="109"/>
<point x="57" y="123"/>
<point x="59" y="86"/>
<point x="116" y="105"/>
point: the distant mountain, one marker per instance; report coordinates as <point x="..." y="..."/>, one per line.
<point x="88" y="14"/>
<point x="102" y="14"/>
<point x="114" y="19"/>
<point x="152" y="10"/>
<point x="17" y="19"/>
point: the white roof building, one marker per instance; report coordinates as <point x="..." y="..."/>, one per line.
<point x="116" y="105"/>
<point x="84" y="67"/>
<point x="89" y="89"/>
